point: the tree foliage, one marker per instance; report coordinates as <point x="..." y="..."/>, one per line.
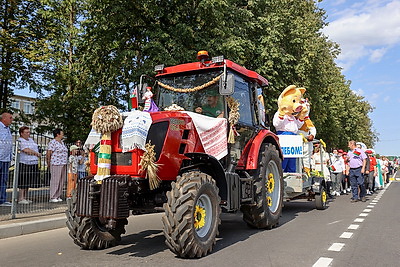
<point x="92" y="52"/>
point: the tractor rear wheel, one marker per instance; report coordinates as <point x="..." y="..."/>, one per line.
<point x="268" y="188"/>
<point x="192" y="215"/>
<point x="90" y="233"/>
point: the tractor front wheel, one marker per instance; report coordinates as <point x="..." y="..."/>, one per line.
<point x="192" y="215"/>
<point x="90" y="233"/>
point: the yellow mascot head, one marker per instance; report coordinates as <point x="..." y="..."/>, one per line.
<point x="290" y="101"/>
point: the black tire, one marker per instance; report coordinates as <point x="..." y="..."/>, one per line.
<point x="268" y="188"/>
<point x="90" y="233"/>
<point x="321" y="202"/>
<point x="193" y="200"/>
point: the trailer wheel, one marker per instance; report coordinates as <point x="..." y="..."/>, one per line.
<point x="268" y="188"/>
<point x="192" y="215"/>
<point x="321" y="199"/>
<point x="90" y="233"/>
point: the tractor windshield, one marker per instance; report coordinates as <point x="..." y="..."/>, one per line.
<point x="197" y="92"/>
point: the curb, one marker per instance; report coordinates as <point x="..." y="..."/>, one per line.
<point x="23" y="228"/>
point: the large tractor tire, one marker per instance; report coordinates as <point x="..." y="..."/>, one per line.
<point x="192" y="215"/>
<point x="90" y="233"/>
<point x="268" y="188"/>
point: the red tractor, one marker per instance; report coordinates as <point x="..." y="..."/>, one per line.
<point x="205" y="165"/>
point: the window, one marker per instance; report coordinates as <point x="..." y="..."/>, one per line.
<point x="242" y="95"/>
<point x="15" y="104"/>
<point x="28" y="108"/>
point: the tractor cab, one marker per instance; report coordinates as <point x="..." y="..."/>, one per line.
<point x="214" y="87"/>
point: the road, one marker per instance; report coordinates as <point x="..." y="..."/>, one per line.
<point x="305" y="237"/>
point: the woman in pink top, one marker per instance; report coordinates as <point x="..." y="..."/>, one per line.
<point x="57" y="158"/>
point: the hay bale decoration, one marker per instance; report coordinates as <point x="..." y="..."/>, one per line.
<point x="105" y="120"/>
<point x="233" y="118"/>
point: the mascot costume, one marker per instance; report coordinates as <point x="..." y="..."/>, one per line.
<point x="308" y="131"/>
<point x="289" y="118"/>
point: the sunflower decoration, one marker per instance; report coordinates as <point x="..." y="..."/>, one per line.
<point x="199" y="217"/>
<point x="270" y="183"/>
<point x="269" y="201"/>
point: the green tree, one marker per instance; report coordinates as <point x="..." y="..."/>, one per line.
<point x="20" y="37"/>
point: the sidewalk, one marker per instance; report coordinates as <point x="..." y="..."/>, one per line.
<point x="16" y="227"/>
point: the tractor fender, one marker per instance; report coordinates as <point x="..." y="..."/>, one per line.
<point x="251" y="152"/>
<point x="211" y="166"/>
<point x="317" y="184"/>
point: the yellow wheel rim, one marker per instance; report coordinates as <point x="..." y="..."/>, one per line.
<point x="199" y="217"/>
<point x="323" y="196"/>
<point x="269" y="201"/>
<point x="270" y="183"/>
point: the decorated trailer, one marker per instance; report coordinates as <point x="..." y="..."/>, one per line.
<point x="199" y="148"/>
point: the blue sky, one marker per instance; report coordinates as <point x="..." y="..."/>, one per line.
<point x="368" y="33"/>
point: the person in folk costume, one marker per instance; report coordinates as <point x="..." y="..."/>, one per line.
<point x="149" y="104"/>
<point x="287" y="119"/>
<point x="105" y="120"/>
<point x="308" y="131"/>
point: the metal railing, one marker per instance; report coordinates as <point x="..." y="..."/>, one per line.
<point x="38" y="194"/>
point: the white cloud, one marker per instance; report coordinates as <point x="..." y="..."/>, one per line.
<point x="386" y="98"/>
<point x="359" y="92"/>
<point x="365" y="29"/>
<point x="377" y="54"/>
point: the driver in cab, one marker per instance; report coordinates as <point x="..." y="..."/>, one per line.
<point x="214" y="107"/>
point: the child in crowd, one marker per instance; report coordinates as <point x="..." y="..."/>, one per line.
<point x="82" y="158"/>
<point x="72" y="170"/>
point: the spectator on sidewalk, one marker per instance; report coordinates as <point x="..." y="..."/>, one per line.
<point x="337" y="171"/>
<point x="370" y="183"/>
<point x="72" y="170"/>
<point x="57" y="159"/>
<point x="356" y="170"/>
<point x="28" y="165"/>
<point x="5" y="155"/>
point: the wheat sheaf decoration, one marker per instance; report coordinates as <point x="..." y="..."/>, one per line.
<point x="105" y="120"/>
<point x="148" y="164"/>
<point x="233" y="118"/>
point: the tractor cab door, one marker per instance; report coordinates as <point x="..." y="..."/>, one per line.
<point x="246" y="126"/>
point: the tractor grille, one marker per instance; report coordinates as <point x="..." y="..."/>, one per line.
<point x="88" y="201"/>
<point x="114" y="197"/>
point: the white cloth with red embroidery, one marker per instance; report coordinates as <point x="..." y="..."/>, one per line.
<point x="212" y="133"/>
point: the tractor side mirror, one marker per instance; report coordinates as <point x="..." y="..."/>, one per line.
<point x="142" y="88"/>
<point x="227" y="84"/>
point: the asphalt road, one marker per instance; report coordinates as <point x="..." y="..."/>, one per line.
<point x="305" y="237"/>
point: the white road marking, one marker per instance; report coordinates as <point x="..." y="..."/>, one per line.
<point x="359" y="220"/>
<point x="334" y="222"/>
<point x="323" y="262"/>
<point x="367" y="210"/>
<point x="375" y="201"/>
<point x="372" y="203"/>
<point x="363" y="214"/>
<point x="353" y="227"/>
<point x="346" y="235"/>
<point x="336" y="247"/>
<point x="370" y="206"/>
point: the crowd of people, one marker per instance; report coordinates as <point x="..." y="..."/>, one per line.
<point x="59" y="158"/>
<point x="359" y="171"/>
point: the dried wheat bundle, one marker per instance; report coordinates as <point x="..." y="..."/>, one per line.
<point x="148" y="164"/>
<point x="106" y="119"/>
